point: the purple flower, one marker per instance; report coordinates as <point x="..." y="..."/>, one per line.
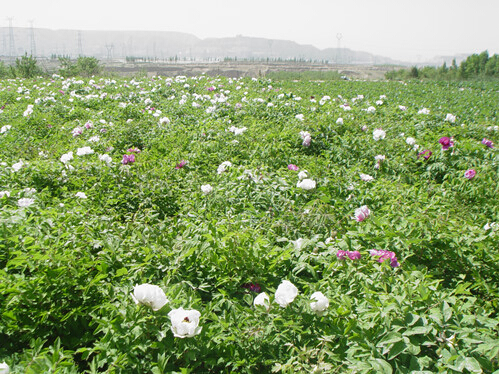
<point x="446" y="142"/>
<point x="181" y="164"/>
<point x="469" y="174"/>
<point x="426" y="154"/>
<point x="211" y="88"/>
<point x="128" y="159"/>
<point x="487" y="142"/>
<point x="293" y="167"/>
<point x="341" y="255"/>
<point x="253" y="287"/>
<point x="353" y="255"/>
<point x="384" y="255"/>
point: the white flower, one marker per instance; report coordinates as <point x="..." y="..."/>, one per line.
<point x="450" y="118"/>
<point x="306" y="184"/>
<point x="106" y="158"/>
<point x="4" y="193"/>
<point x="17" y="166"/>
<point x="77" y="131"/>
<point x="185" y="323"/>
<point x="81" y="195"/>
<point x="366" y="177"/>
<point x="424" y="111"/>
<point x="84" y="151"/>
<point x="339" y="121"/>
<point x="380" y="158"/>
<point x="206" y="188"/>
<point x="285" y="293"/>
<point x="237" y="131"/>
<point x="5" y="128"/>
<point x="262" y="299"/>
<point x="302" y="174"/>
<point x="320" y="304"/>
<point x="223" y="166"/>
<point x="4" y="368"/>
<point x="150" y="295"/>
<point x="298" y="243"/>
<point x="401" y="107"/>
<point x="66" y="157"/>
<point x="25" y="202"/>
<point x="410" y="140"/>
<point x="371" y="109"/>
<point x="94" y="139"/>
<point x="379" y="102"/>
<point x="28" y="111"/>
<point x="300" y="117"/>
<point x="362" y="213"/>
<point x="378" y="134"/>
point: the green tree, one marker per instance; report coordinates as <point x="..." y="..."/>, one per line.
<point x="27" y="67"/>
<point x="83" y="66"/>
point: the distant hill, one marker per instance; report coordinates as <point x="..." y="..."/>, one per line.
<point x="171" y="45"/>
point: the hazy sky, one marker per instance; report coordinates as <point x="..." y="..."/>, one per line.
<point x="401" y="29"/>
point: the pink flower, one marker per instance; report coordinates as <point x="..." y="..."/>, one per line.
<point x="362" y="213"/>
<point x="353" y="255"/>
<point x="488" y="143"/>
<point x="181" y="164"/>
<point x="133" y="150"/>
<point x="211" y="88"/>
<point x="469" y="174"/>
<point x="128" y="159"/>
<point x="446" y="142"/>
<point x="293" y="167"/>
<point x="426" y="154"/>
<point x="383" y="255"/>
<point x="341" y="255"/>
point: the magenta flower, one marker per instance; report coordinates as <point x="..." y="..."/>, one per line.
<point x="384" y="255"/>
<point x="487" y="142"/>
<point x="353" y="255"/>
<point x="469" y="174"/>
<point x="446" y="142"/>
<point x="254" y="287"/>
<point x="293" y="167"/>
<point x="181" y="164"/>
<point x="128" y="159"/>
<point x="211" y="88"/>
<point x="133" y="150"/>
<point x="341" y="255"/>
<point x="362" y="213"/>
<point x="426" y="154"/>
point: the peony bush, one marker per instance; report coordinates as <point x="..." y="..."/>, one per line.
<point x="211" y="224"/>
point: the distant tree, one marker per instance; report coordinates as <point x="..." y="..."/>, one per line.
<point x="83" y="66"/>
<point x="27" y="67"/>
<point x="414" y="73"/>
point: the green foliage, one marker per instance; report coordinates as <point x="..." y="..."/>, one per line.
<point x="27" y="67"/>
<point x="82" y="67"/>
<point x="69" y="261"/>
<point x="477" y="66"/>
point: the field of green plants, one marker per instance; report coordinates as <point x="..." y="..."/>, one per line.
<point x="215" y="225"/>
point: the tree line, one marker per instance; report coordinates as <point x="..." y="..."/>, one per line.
<point x="477" y="66"/>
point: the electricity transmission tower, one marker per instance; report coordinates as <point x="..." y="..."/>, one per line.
<point x="12" y="48"/>
<point x="339" y="36"/>
<point x="109" y="48"/>
<point x="32" y="38"/>
<point x="80" y="45"/>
